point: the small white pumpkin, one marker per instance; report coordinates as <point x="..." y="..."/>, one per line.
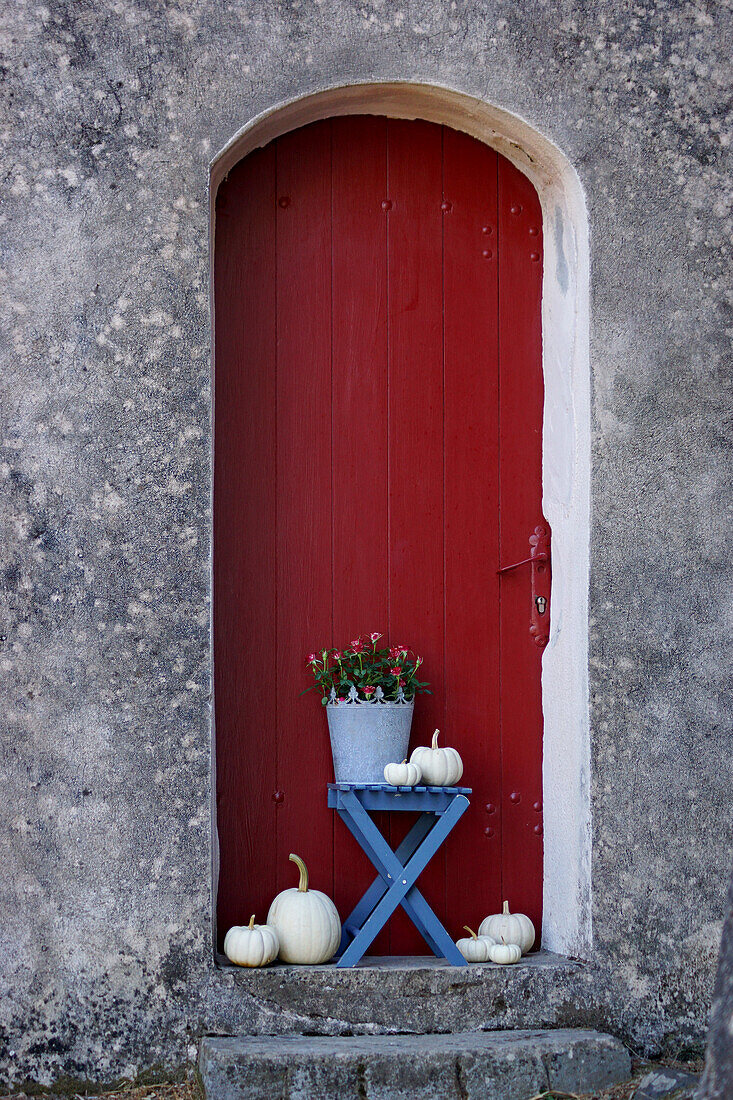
<point x="439" y="767"/>
<point x="505" y="953"/>
<point x="251" y="944"/>
<point x="402" y="775"/>
<point x="306" y="921"/>
<point x="475" y="949"/>
<point x="512" y="927"/>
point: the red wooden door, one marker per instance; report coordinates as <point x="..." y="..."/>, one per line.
<point x="378" y="422"/>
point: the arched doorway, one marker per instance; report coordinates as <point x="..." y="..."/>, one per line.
<point x="377" y="459"/>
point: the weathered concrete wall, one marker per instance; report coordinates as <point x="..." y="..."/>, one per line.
<point x="112" y="112"/>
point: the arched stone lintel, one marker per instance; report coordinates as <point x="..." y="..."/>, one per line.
<point x="566" y="447"/>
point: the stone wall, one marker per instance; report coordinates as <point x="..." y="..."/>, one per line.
<point x="112" y="113"/>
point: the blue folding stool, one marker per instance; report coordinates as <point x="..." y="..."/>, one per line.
<point x="440" y="809"/>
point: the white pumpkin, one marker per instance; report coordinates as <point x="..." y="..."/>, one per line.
<point x="505" y="953"/>
<point x="402" y="775"/>
<point x="251" y="944"/>
<point x="512" y="927"/>
<point x="439" y="767"/>
<point x="306" y="921"/>
<point x="475" y="949"/>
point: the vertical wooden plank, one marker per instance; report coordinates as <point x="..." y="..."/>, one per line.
<point x="244" y="538"/>
<point x="416" y="590"/>
<point x="473" y="852"/>
<point x="304" y="519"/>
<point x="359" y="394"/>
<point x="522" y="395"/>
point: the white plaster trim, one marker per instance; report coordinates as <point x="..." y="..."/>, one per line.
<point x="566" y="449"/>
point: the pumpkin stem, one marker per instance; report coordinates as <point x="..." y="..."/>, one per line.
<point x="404" y="761"/>
<point x="505" y="910"/>
<point x="503" y="941"/>
<point x="470" y="930"/>
<point x="303" y="884"/>
<point x="435" y="739"/>
<point x="251" y="922"/>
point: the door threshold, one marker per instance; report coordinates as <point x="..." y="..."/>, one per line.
<point x="536" y="960"/>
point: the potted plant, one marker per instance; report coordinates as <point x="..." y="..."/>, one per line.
<point x="369" y="696"/>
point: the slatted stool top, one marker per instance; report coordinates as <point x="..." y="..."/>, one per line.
<point x="389" y="787"/>
<point x="383" y="796"/>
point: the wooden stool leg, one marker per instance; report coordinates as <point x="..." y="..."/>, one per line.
<point x="386" y="875"/>
<point x="379" y="851"/>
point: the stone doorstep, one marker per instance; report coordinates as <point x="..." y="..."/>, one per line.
<point x="418" y="994"/>
<point x="497" y="1065"/>
<point x="385" y="964"/>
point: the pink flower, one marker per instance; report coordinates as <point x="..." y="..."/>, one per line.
<point x="395" y="652"/>
<point x="357" y="645"/>
<point x="336" y="655"/>
<point x="311" y="658"/>
<point x="375" y="637"/>
<point x="418" y="662"/>
<point x="402" y="683"/>
<point x="368" y="690"/>
<point x="396" y="671"/>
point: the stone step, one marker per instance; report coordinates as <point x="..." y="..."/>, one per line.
<point x="483" y="1065"/>
<point x="420" y="994"/>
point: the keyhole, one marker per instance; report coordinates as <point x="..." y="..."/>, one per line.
<point x="541" y="604"/>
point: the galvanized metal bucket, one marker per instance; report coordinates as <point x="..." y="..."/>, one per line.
<point x="367" y="736"/>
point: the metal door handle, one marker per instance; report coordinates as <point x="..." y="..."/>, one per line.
<point x="541" y="556"/>
<point x="539" y="560"/>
